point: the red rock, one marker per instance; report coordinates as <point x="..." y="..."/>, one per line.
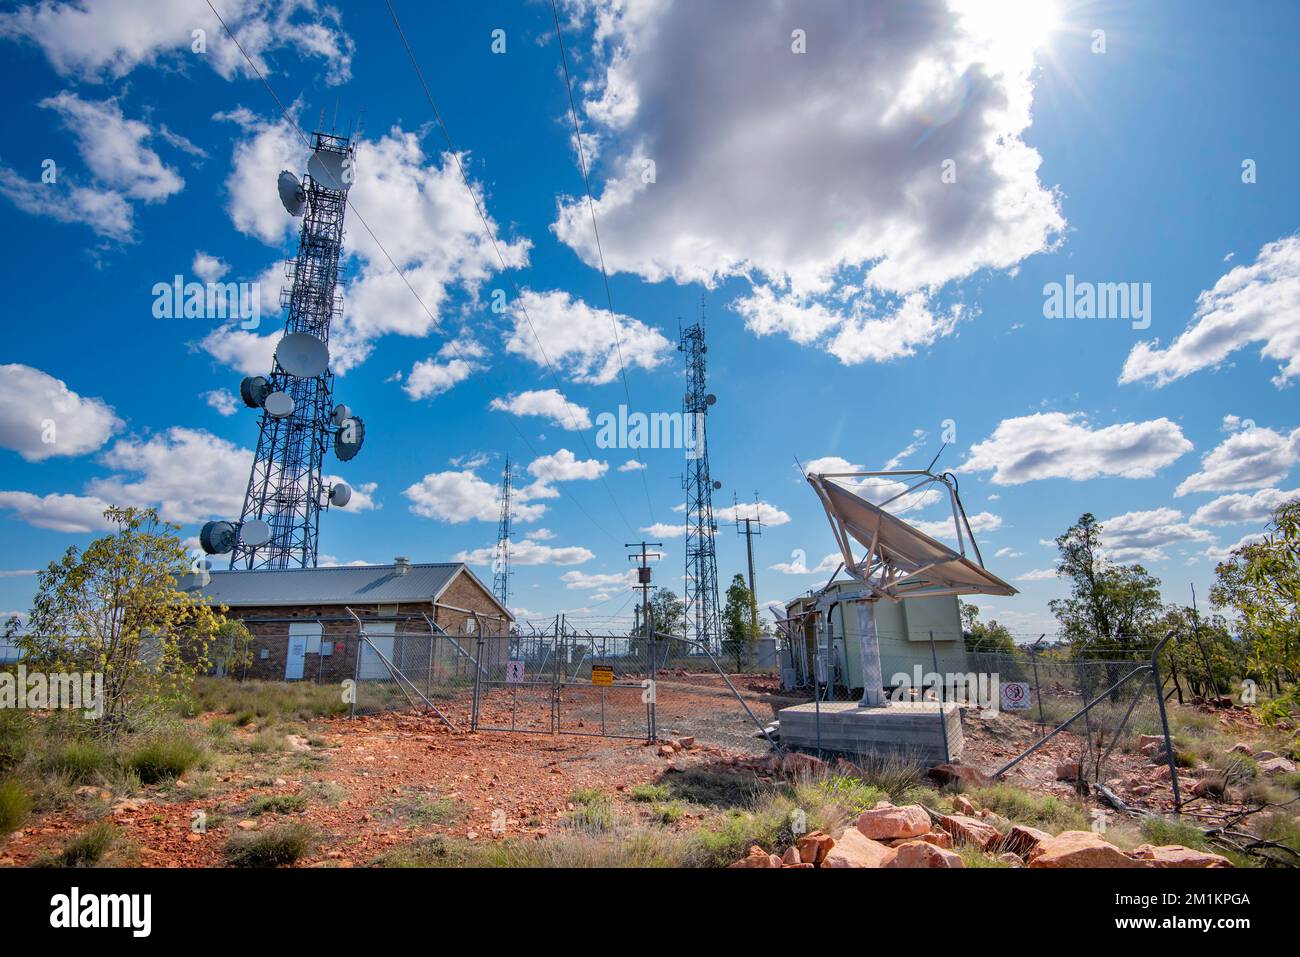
<point x="1022" y="839"/>
<point x="938" y="838"/>
<point x="1079" y="849"/>
<point x="757" y="857"/>
<point x="791" y="857"/>
<point x="854" y="849"/>
<point x="962" y="805"/>
<point x="814" y="846"/>
<point x="1011" y="860"/>
<point x="970" y="830"/>
<point x="666" y="751"/>
<point x="947" y="773"/>
<point x="890" y="822"/>
<point x="1175" y="855"/>
<point x="1069" y="771"/>
<point x="923" y="854"/>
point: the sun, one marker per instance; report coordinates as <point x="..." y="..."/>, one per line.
<point x="1012" y="28"/>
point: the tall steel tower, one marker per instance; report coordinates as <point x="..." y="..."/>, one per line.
<point x="279" y="524"/>
<point x="701" y="586"/>
<point x="501" y="564"/>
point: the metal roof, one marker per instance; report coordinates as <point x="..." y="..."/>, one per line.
<point x="334" y="585"/>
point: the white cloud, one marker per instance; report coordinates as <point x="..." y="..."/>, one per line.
<point x="189" y="474"/>
<point x="1242" y="507"/>
<point x="429" y="377"/>
<point x="550" y="404"/>
<point x="1259" y="303"/>
<point x="582" y="580"/>
<point x="222" y="400"/>
<point x="60" y="513"/>
<point x="363" y="494"/>
<point x="632" y="465"/>
<point x="564" y="466"/>
<point x="875" y="489"/>
<point x="241" y="349"/>
<point x="40" y="417"/>
<point x="1244" y="460"/>
<point x="884" y="97"/>
<point x="1064" y="445"/>
<point x="1222" y="554"/>
<point x="1144" y="536"/>
<point x="798" y="564"/>
<point x="207" y="267"/>
<point x="114" y="147"/>
<point x="763" y="512"/>
<point x="665" y="530"/>
<point x="1037" y="575"/>
<point x="579" y="339"/>
<point x="943" y="528"/>
<point x="1007" y="552"/>
<point x="528" y="552"/>
<point x="103" y="210"/>
<point x="107" y="39"/>
<point x="461" y="496"/>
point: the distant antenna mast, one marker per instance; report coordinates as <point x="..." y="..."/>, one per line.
<point x="279" y="524"/>
<point x="501" y="564"/>
<point x="701" y="584"/>
<point x="749" y="526"/>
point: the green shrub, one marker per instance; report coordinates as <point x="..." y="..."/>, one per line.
<point x="1167" y="830"/>
<point x="15" y="738"/>
<point x="88" y="847"/>
<point x="428" y="810"/>
<point x="163" y="758"/>
<point x="669" y="813"/>
<point x="15" y="804"/>
<point x="78" y="760"/>
<point x="1047" y="813"/>
<point x="593" y="815"/>
<point x="273" y="847"/>
<point x="650" y="792"/>
<point x="278" y="804"/>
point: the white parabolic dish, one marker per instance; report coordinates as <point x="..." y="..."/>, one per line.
<point x="278" y="405"/>
<point x="302" y="355"/>
<point x="255" y="533"/>
<point x="331" y="170"/>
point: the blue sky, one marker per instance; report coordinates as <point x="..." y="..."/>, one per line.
<point x="858" y="303"/>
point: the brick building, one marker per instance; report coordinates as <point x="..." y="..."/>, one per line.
<point x="302" y="618"/>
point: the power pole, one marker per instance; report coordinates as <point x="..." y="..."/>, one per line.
<point x="643" y="558"/>
<point x="749" y="527"/>
<point x="701" y="584"/>
<point x="501" y="564"/>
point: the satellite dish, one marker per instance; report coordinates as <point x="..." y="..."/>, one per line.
<point x="340" y="414"/>
<point x="217" y="538"/>
<point x="348" y="439"/>
<point x="716" y="486"/>
<point x="331" y="170"/>
<point x="253" y="390"/>
<point x="303" y="355"/>
<point x="254" y="533"/>
<point x="710" y="399"/>
<point x="340" y="494"/>
<point x="279" y="405"/>
<point x="291" y="193"/>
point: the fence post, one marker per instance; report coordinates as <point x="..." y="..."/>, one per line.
<point x="1164" y="720"/>
<point x="478" y="676"/>
<point x="1038" y="688"/>
<point x="356" y="678"/>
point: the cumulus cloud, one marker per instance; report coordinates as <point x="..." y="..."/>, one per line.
<point x="875" y="489"/>
<point x="851" y="253"/>
<point x="528" y="552"/>
<point x="222" y="400"/>
<point x="632" y="465"/>
<point x="943" y="528"/>
<point x="1144" y="536"/>
<point x="580" y="339"/>
<point x="764" y="512"/>
<point x="1259" y="303"/>
<point x="564" y="466"/>
<point x="103" y="210"/>
<point x="1244" y="460"/>
<point x="1243" y="507"/>
<point x="40" y="417"/>
<point x="456" y="361"/>
<point x="1223" y="553"/>
<point x="1037" y="575"/>
<point x="107" y="39"/>
<point x="461" y="496"/>
<point x="1065" y="445"/>
<point x="59" y="513"/>
<point x="548" y="403"/>
<point x="585" y="581"/>
<point x="207" y="267"/>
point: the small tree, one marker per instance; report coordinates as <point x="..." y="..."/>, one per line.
<point x="739" y="632"/>
<point x="115" y="609"/>
<point x="667" y="611"/>
<point x="980" y="636"/>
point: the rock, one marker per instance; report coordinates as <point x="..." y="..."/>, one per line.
<point x="1011" y="860"/>
<point x="1240" y="748"/>
<point x="1069" y="771"/>
<point x="1146" y="740"/>
<point x="796" y="762"/>
<point x="1161" y="773"/>
<point x="791" y="857"/>
<point x="1175" y="855"/>
<point x="923" y="854"/>
<point x="687" y="742"/>
<point x="757" y="857"/>
<point x="970" y="830"/>
<point x="1276" y="766"/>
<point x="854" y="849"/>
<point x="947" y="773"/>
<point x="1079" y="849"/>
<point x="1022" y="839"/>
<point x="814" y="847"/>
<point x="87" y="791"/>
<point x="963" y="805"/>
<point x="938" y="838"/>
<point x="666" y="751"/>
<point x="890" y="822"/>
<point x="247" y="824"/>
<point x="1264" y="755"/>
<point x="799" y="865"/>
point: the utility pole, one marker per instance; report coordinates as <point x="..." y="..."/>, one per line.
<point x="643" y="558"/>
<point x="749" y="527"/>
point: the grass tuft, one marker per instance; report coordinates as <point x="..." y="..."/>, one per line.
<point x="274" y="847"/>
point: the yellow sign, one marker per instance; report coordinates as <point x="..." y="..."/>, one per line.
<point x="602" y="675"/>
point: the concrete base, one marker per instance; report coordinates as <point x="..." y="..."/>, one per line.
<point x="908" y="729"/>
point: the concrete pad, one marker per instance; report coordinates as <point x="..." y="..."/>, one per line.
<point x="911" y="729"/>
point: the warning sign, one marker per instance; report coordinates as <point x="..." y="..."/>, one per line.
<point x="1015" y="695"/>
<point x="602" y="675"/>
<point x="514" y="672"/>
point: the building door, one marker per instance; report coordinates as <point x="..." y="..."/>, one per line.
<point x="372" y="666"/>
<point x="304" y="636"/>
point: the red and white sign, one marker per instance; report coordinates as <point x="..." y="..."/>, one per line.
<point x="1015" y="695"/>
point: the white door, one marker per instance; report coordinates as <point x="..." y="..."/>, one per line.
<point x="372" y="668"/>
<point x="304" y="636"/>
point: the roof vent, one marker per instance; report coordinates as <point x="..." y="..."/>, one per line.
<point x="401" y="565"/>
